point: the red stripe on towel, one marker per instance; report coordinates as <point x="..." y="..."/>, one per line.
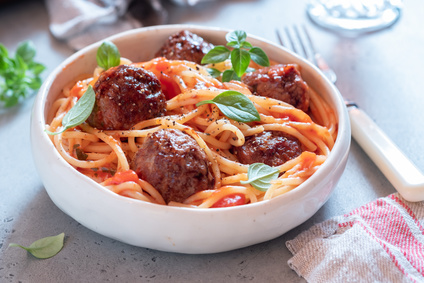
<point x="409" y="210"/>
<point x="386" y="224"/>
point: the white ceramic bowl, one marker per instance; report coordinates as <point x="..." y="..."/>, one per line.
<point x="175" y="229"/>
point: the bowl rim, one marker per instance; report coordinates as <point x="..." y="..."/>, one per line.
<point x="335" y="157"/>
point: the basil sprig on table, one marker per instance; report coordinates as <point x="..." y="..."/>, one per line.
<point x="19" y="75"/>
<point x="45" y="247"/>
<point x="235" y="106"/>
<point x="108" y="55"/>
<point x="241" y="54"/>
<point x="79" y="112"/>
<point x="260" y="176"/>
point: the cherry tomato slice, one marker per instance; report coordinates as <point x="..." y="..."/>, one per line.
<point x="169" y="87"/>
<point x="231" y="200"/>
<point x="122" y="177"/>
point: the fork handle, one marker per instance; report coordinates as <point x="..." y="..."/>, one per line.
<point x="398" y="169"/>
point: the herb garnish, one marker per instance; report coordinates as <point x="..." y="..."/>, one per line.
<point x="240" y="56"/>
<point x="235" y="106"/>
<point x="260" y="176"/>
<point x="81" y="155"/>
<point x="108" y="55"/>
<point x="79" y="112"/>
<point x="19" y="76"/>
<point x="45" y="247"/>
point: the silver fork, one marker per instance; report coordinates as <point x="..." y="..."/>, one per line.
<point x="300" y="42"/>
<point x="398" y="169"/>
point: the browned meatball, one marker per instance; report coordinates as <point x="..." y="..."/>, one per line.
<point x="174" y="164"/>
<point x="126" y="95"/>
<point x="185" y="45"/>
<point x="272" y="148"/>
<point x="282" y="82"/>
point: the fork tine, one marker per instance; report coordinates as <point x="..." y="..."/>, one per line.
<point x="292" y="40"/>
<point x="309" y="40"/>
<point x="306" y="43"/>
<point x="301" y="43"/>
<point x="286" y="39"/>
<point x="318" y="60"/>
<point x="280" y="39"/>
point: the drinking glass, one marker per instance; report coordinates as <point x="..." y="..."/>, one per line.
<point x="354" y="16"/>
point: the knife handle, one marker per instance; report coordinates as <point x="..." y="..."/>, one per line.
<point x="392" y="162"/>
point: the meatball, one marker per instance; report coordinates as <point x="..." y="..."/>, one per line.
<point x="282" y="82"/>
<point x="174" y="164"/>
<point x="126" y="95"/>
<point x="272" y="148"/>
<point x="185" y="45"/>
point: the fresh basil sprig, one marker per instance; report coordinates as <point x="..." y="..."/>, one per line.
<point x="79" y="112"/>
<point x="108" y="55"/>
<point x="240" y="55"/>
<point x="45" y="247"/>
<point x="260" y="176"/>
<point x="235" y="106"/>
<point x="19" y="75"/>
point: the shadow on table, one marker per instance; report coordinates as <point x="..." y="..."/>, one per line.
<point x="87" y="255"/>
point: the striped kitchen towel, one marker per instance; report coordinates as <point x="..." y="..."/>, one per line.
<point x="382" y="241"/>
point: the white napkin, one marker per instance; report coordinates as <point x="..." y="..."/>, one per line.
<point x="82" y="22"/>
<point x="382" y="241"/>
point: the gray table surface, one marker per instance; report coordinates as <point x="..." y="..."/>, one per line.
<point x="381" y="71"/>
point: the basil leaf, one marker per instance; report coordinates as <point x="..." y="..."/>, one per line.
<point x="237" y="35"/>
<point x="19" y="75"/>
<point x="260" y="176"/>
<point x="79" y="113"/>
<point x="216" y="55"/>
<point x="108" y="55"/>
<point x="12" y="99"/>
<point x="240" y="55"/>
<point x="214" y="72"/>
<point x="259" y="56"/>
<point x="246" y="45"/>
<point x="4" y="64"/>
<point x="4" y="58"/>
<point x="36" y="68"/>
<point x="233" y="44"/>
<point x="240" y="59"/>
<point x="34" y="83"/>
<point x="20" y="67"/>
<point x="45" y="247"/>
<point x="235" y="106"/>
<point x="229" y="75"/>
<point x="3" y="51"/>
<point x="81" y="110"/>
<point x="26" y="50"/>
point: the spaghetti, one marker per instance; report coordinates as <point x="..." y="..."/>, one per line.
<point x="105" y="156"/>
